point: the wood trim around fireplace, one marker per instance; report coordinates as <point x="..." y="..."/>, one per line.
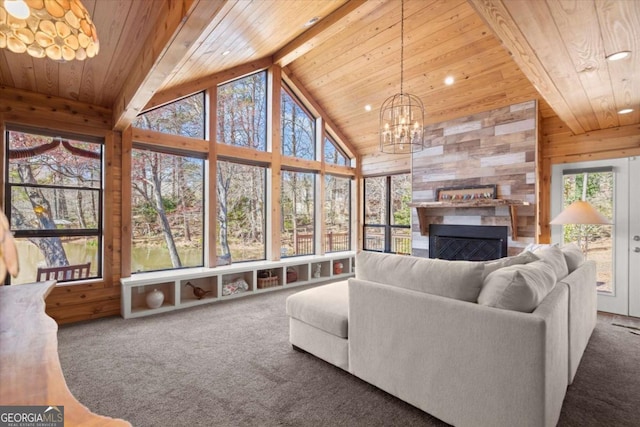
<point x="424" y="207"/>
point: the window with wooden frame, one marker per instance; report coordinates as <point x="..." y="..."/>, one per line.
<point x="243" y="200"/>
<point x="167" y="203"/>
<point x="298" y="213"/>
<point x="242" y="112"/>
<point x="184" y="117"/>
<point x="241" y="190"/>
<point x="333" y="154"/>
<point x="387" y="216"/>
<point x="298" y="128"/>
<point x="54" y="200"/>
<point x="337" y="213"/>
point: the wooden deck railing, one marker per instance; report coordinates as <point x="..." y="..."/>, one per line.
<point x="399" y="244"/>
<point x="333" y="242"/>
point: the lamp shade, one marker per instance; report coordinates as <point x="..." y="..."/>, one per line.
<point x="61" y="30"/>
<point x="580" y="212"/>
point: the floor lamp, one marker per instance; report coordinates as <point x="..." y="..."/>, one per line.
<point x="582" y="213"/>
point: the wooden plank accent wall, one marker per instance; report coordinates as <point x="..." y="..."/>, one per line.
<point x="494" y="147"/>
<point x="21" y="105"/>
<point x="385" y="164"/>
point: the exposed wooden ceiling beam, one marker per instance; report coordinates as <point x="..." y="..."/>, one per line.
<point x="181" y="25"/>
<point x="191" y="87"/>
<point x="332" y="24"/>
<point x="498" y="18"/>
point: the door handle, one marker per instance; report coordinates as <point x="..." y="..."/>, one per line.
<point x="636" y="249"/>
<point x="636" y="238"/>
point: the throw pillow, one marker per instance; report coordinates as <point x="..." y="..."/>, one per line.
<point x="460" y="280"/>
<point x="522" y="258"/>
<point x="573" y="256"/>
<point x="532" y="247"/>
<point x="553" y="256"/>
<point x="518" y="287"/>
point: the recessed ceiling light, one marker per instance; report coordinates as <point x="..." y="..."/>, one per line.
<point x="367" y="107"/>
<point x="625" y="111"/>
<point x="618" y="55"/>
<point x="311" y="21"/>
<point x="226" y="52"/>
<point x="449" y="80"/>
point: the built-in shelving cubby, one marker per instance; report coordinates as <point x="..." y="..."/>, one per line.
<point x="229" y="281"/>
<point x="237" y="283"/>
<point x="139" y="298"/>
<point x="321" y="270"/>
<point x="198" y="290"/>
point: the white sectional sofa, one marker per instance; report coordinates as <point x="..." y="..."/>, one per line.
<point x="474" y="344"/>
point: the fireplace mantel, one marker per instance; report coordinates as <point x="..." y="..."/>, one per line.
<point x="424" y="207"/>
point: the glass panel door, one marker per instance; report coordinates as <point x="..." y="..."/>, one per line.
<point x="605" y="184"/>
<point x="596" y="187"/>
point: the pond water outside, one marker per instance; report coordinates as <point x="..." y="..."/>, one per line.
<point x="78" y="252"/>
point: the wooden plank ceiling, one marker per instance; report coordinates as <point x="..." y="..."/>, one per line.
<point x="498" y="51"/>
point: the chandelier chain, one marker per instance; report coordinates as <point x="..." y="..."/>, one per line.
<point x="402" y="115"/>
<point x="402" y="47"/>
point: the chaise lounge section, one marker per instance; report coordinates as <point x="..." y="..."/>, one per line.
<point x="318" y="322"/>
<point x="440" y="334"/>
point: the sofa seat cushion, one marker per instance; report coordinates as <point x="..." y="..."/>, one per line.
<point x="460" y="280"/>
<point x="325" y="307"/>
<point x="518" y="287"/>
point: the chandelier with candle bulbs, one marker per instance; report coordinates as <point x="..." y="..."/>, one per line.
<point x="402" y="115"/>
<point x="61" y="30"/>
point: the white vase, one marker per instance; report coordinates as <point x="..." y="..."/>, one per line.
<point x="155" y="298"/>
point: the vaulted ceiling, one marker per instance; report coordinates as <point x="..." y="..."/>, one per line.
<point x="498" y="51"/>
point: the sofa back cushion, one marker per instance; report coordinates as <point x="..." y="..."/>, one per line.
<point x="460" y="280"/>
<point x="573" y="256"/>
<point x="518" y="287"/>
<point x="555" y="258"/>
<point x="522" y="258"/>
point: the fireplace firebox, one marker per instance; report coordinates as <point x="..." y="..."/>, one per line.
<point x="467" y="242"/>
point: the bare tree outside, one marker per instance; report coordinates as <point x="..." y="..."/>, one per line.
<point x="241" y="210"/>
<point x="333" y="155"/>
<point x="242" y="116"/>
<point x="337" y="213"/>
<point x="298" y="129"/>
<point x="242" y="112"/>
<point x="168" y="192"/>
<point x="297" y="207"/>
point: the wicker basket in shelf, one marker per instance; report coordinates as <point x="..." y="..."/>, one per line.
<point x="267" y="282"/>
